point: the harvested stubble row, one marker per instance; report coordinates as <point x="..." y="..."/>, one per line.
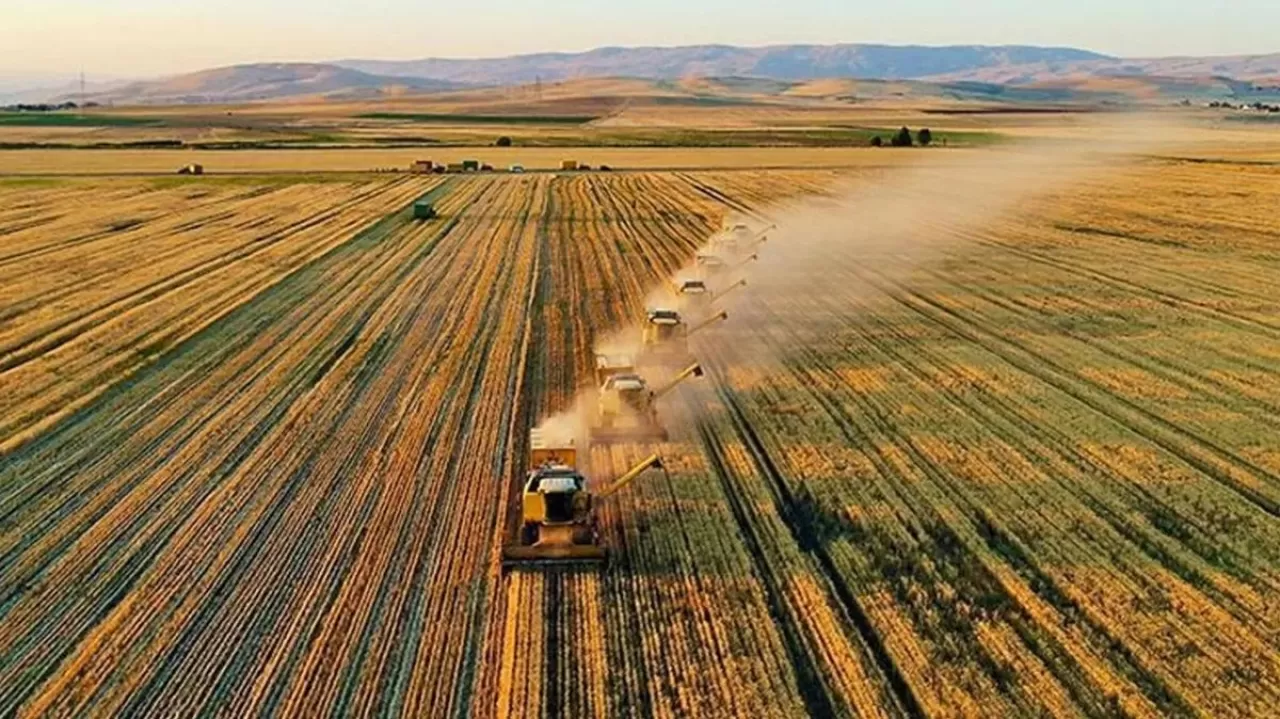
<point x="1024" y="537"/>
<point x="91" y="295"/>
<point x="988" y="486"/>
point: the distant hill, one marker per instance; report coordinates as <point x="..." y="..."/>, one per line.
<point x="1264" y="69"/>
<point x="781" y="62"/>
<point x="266" y="81"/>
<point x="961" y="72"/>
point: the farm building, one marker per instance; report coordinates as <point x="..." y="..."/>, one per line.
<point x="455" y="167"/>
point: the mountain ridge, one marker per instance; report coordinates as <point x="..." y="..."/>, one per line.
<point x="1009" y="65"/>
<point x="784" y="62"/>
<point x="265" y="81"/>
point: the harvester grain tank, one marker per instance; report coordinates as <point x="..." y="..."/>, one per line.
<point x="608" y="365"/>
<point x="627" y="408"/>
<point x="557" y="518"/>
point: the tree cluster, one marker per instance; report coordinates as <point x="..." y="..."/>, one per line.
<point x="1259" y="106"/>
<point x="46" y="107"/>
<point x="904" y="138"/>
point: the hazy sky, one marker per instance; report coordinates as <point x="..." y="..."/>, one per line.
<point x="148" y="37"/>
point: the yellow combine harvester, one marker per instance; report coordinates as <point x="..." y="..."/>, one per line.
<point x="557" y="518"/>
<point x="739" y="238"/>
<point x="695" y="295"/>
<point x="666" y="336"/>
<point x="627" y="409"/>
<point x="714" y="265"/>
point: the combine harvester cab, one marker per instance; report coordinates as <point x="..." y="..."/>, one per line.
<point x="557" y="518"/>
<point x="693" y="293"/>
<point x="627" y="409"/>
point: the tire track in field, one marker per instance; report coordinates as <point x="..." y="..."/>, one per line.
<point x="149" y="338"/>
<point x="997" y="411"/>
<point x="1198" y="451"/>
<point x="1166" y="297"/>
<point x="55" y="336"/>
<point x="981" y="520"/>
<point x="904" y="698"/>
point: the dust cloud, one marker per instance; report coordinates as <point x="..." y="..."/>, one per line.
<point x="813" y="271"/>
<point x="829" y="255"/>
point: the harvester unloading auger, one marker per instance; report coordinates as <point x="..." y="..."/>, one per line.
<point x="627" y="409"/>
<point x="717" y="296"/>
<point x="557" y="512"/>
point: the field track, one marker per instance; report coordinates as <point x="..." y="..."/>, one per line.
<point x="259" y="442"/>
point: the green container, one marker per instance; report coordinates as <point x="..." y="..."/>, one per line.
<point x="423" y="210"/>
<point x="470" y="165"/>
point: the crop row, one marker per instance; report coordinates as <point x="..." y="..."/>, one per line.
<point x="268" y="460"/>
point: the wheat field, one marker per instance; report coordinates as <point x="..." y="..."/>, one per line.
<point x="260" y="442"/>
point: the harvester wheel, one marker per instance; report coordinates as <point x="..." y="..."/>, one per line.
<point x="585" y="535"/>
<point x="529" y="534"/>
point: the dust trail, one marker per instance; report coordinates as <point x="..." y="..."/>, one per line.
<point x="812" y="274"/>
<point x="569" y="426"/>
<point x="809" y="275"/>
